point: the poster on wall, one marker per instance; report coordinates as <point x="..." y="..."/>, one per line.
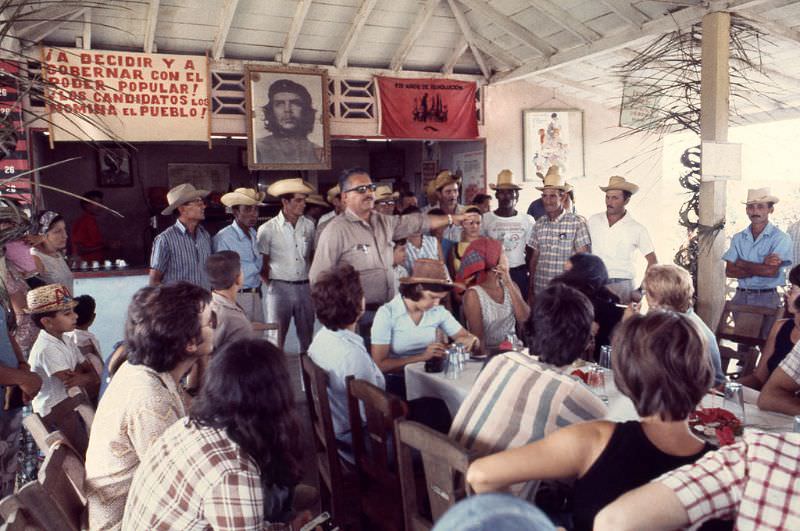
<point x="470" y="165"/>
<point x="126" y="96"/>
<point x="214" y="177"/>
<point x="427" y="109"/>
<point x="287" y="126"/>
<point x="13" y="140"/>
<point x="553" y="137"/>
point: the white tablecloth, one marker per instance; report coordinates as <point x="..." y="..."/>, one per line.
<point x="620" y="408"/>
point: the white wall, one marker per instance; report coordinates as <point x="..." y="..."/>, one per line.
<point x="637" y="158"/>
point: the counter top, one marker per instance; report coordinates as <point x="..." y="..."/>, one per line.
<point x="104" y="273"/>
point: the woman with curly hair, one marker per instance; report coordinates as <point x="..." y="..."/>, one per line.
<point x="210" y="470"/>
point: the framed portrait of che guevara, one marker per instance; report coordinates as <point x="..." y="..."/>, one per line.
<point x="287" y="125"/>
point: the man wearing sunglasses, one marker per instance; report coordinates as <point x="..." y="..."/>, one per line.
<point x="364" y="239"/>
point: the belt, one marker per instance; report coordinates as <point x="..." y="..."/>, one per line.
<point x="250" y="290"/>
<point x="289" y="281"/>
<point x="748" y="290"/>
<point x="372" y="306"/>
<point x="614" y="280"/>
<point x="518" y="267"/>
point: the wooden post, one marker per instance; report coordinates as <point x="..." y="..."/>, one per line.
<point x="714" y="108"/>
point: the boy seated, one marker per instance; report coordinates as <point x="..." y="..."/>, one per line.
<point x="53" y="357"/>
<point x="86" y="341"/>
<point x="225" y="274"/>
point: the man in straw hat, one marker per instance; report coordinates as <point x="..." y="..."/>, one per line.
<point x="616" y="235"/>
<point x="181" y="251"/>
<point x="365" y="240"/>
<point x="445" y="188"/>
<point x="286" y="242"/>
<point x="557" y="235"/>
<point x="334" y="197"/>
<point x="758" y="256"/>
<point x="385" y="200"/>
<point x="240" y="237"/>
<point x="511" y="227"/>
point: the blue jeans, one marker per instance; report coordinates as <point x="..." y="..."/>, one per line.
<point x="494" y="512"/>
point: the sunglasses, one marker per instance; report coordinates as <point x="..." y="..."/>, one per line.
<point x="363" y="188"/>
<point x="390" y="203"/>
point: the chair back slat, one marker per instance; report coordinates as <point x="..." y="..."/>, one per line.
<point x="445" y="464"/>
<point x="72" y="417"/>
<point x="40" y="509"/>
<point x="62" y="476"/>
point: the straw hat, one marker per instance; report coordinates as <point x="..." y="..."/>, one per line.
<point x="49" y="298"/>
<point x="180" y="195"/>
<point x="619" y="183"/>
<point x="505" y="181"/>
<point x="316" y="199"/>
<point x="384" y="193"/>
<point x="427" y="271"/>
<point x="554" y="179"/>
<point x="290" y="186"/>
<point x="760" y="195"/>
<point x="445" y="178"/>
<point x="243" y="196"/>
<point x="333" y="192"/>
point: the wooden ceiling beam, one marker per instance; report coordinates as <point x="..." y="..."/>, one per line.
<point x="484" y="10"/>
<point x="228" y="12"/>
<point x="150" y="26"/>
<point x="413" y="33"/>
<point x="53" y="17"/>
<point x="458" y="51"/>
<point x="496" y="52"/>
<point x="627" y="12"/>
<point x="566" y="20"/>
<point x="285" y="55"/>
<point x="469" y="36"/>
<point x="352" y="34"/>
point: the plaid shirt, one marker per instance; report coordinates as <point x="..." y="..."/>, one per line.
<point x="195" y="479"/>
<point x="756" y="481"/>
<point x="791" y="364"/>
<point x="556" y="240"/>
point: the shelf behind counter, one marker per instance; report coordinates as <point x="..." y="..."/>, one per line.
<point x="112" y="290"/>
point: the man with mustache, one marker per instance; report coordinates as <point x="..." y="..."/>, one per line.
<point x="289" y="116"/>
<point x="758" y="256"/>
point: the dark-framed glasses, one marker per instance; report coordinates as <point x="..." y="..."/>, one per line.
<point x="362" y="189"/>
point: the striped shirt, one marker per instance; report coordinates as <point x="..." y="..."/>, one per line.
<point x="180" y="256"/>
<point x="429" y="249"/>
<point x="556" y="240"/>
<point x="517" y="400"/>
<point x="233" y="238"/>
<point x="195" y="479"/>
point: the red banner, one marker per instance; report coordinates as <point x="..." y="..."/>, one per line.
<point x="427" y="108"/>
<point x="13" y="140"/>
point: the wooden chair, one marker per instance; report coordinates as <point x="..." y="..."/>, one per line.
<point x="374" y="453"/>
<point x="62" y="477"/>
<point x="445" y="463"/>
<point x="72" y="417"/>
<point x="743" y="328"/>
<point x="337" y="480"/>
<point x="33" y="509"/>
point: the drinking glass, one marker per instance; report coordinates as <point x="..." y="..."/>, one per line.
<point x="734" y="400"/>
<point x="597" y="382"/>
<point x="605" y="356"/>
<point x="451" y="371"/>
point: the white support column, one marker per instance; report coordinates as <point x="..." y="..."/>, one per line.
<point x="714" y="110"/>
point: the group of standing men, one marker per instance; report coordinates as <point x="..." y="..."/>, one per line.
<point x="287" y="252"/>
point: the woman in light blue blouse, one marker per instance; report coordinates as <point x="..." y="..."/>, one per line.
<point x="406" y="329"/>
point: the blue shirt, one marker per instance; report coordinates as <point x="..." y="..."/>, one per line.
<point x="772" y="240"/>
<point x="7" y="356"/>
<point x="711" y="347"/>
<point x="233" y="238"/>
<point x="341" y="353"/>
<point x="393" y="326"/>
<point x="179" y="256"/>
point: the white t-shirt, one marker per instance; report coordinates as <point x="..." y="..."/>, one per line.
<point x="514" y="232"/>
<point x="616" y="244"/>
<point x="48" y="356"/>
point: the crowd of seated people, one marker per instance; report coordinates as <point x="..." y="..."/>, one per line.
<point x="198" y="425"/>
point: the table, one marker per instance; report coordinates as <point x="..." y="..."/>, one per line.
<point x="620" y="408"/>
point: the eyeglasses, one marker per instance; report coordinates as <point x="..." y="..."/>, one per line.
<point x="363" y="188"/>
<point x="390" y="203"/>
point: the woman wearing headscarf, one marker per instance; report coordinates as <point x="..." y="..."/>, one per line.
<point x="493" y="305"/>
<point x="48" y="254"/>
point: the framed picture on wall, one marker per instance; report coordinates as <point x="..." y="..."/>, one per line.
<point x="553" y="137"/>
<point x="115" y="167"/>
<point x="287" y="126"/>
